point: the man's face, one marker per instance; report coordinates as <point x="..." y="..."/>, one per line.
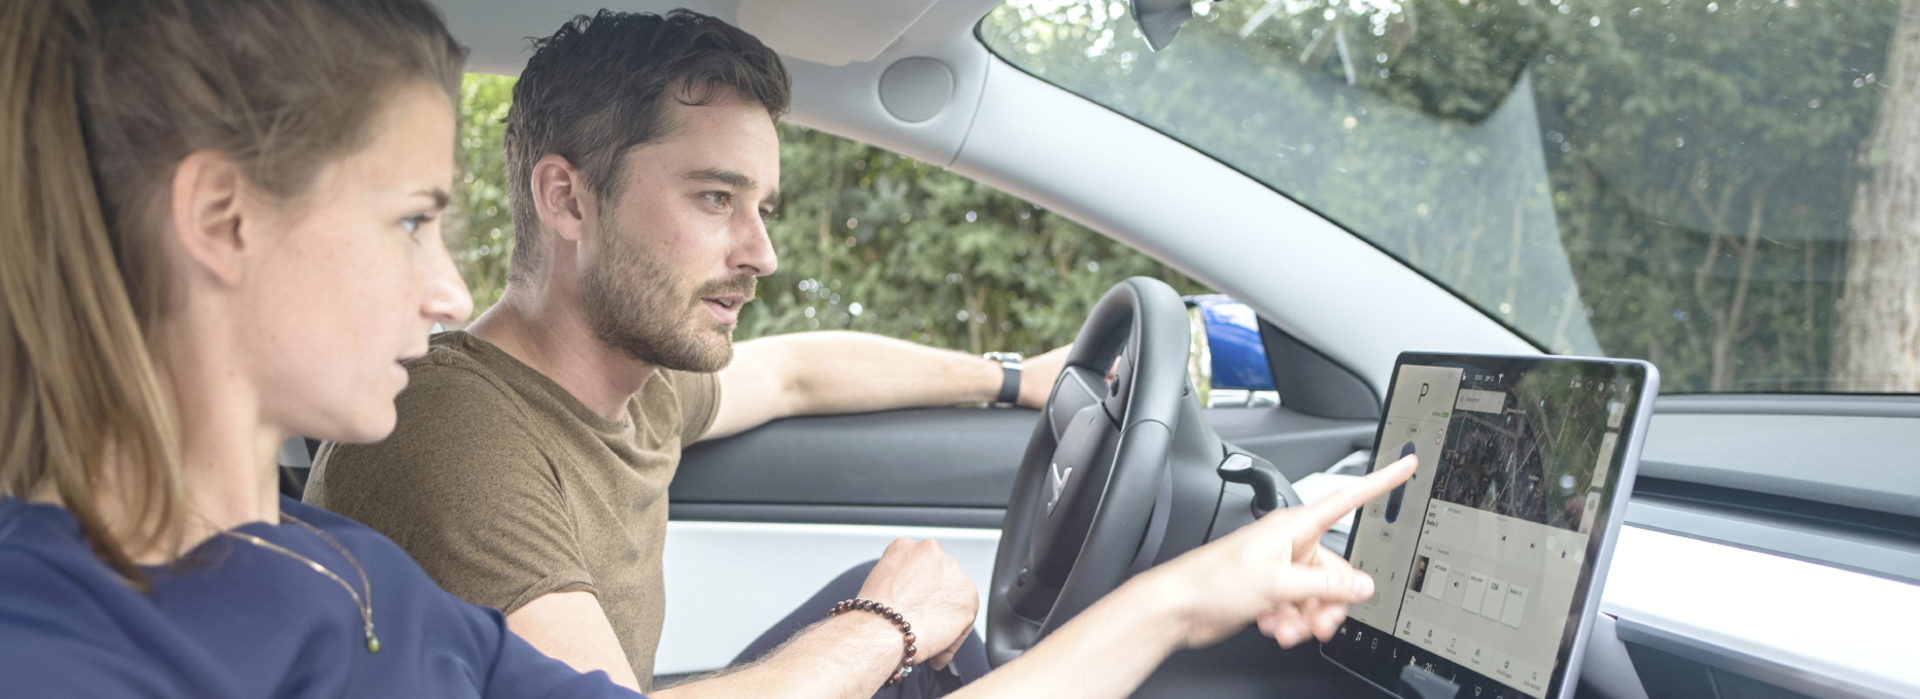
<point x="676" y="251"/>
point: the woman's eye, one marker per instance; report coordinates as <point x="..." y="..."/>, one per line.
<point x="412" y="224"/>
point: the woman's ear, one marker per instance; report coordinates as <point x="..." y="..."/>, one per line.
<point x="559" y="196"/>
<point x="207" y="213"/>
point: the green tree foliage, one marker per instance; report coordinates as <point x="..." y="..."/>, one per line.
<point x="1666" y="179"/>
<point x="874" y="241"/>
<point x="479" y="224"/>
<point x="868" y="240"/>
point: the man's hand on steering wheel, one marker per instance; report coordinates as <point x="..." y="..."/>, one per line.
<point x="1276" y="571"/>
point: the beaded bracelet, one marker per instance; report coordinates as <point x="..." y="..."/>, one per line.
<point x="906" y="660"/>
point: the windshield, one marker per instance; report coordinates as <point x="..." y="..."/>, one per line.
<point x="1728" y="189"/>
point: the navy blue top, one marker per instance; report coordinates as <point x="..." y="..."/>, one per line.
<point x="236" y="620"/>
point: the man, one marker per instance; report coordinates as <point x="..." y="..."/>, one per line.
<point x="530" y="465"/>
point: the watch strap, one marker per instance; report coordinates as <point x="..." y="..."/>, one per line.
<point x="1010" y="378"/>
<point x="1010" y="384"/>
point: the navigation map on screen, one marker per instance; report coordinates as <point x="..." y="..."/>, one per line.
<point x="1478" y="558"/>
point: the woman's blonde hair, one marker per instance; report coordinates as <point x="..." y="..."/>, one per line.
<point x="99" y="102"/>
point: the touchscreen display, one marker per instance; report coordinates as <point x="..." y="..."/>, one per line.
<point x="1481" y="560"/>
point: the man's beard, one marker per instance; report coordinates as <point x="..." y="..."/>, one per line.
<point x="632" y="305"/>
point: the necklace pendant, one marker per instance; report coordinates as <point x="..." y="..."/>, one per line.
<point x="373" y="643"/>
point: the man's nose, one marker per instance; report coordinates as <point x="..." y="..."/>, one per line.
<point x="753" y="253"/>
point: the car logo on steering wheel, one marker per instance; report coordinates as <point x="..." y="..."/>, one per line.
<point x="1059" y="480"/>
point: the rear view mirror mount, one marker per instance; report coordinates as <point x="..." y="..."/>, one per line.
<point x="1159" y="20"/>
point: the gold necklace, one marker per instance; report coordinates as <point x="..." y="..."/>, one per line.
<point x="363" y="604"/>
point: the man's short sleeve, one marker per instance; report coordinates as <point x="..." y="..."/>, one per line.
<point x="699" y="395"/>
<point x="464" y="487"/>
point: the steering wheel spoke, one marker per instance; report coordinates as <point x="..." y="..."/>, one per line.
<point x="1077" y="387"/>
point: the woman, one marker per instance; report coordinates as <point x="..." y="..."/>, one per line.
<point x="219" y="227"/>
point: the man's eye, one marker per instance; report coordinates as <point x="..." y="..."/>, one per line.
<point x="769" y="215"/>
<point x="720" y="199"/>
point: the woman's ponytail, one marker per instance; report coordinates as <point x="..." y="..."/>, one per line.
<point x="82" y="412"/>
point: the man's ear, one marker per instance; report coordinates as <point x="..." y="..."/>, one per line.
<point x="560" y="197"/>
<point x="207" y="213"/>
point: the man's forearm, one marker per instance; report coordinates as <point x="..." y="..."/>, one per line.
<point x="845" y="372"/>
<point x="847" y="656"/>
<point x="820" y="373"/>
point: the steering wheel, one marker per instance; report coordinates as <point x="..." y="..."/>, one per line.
<point x="1081" y="504"/>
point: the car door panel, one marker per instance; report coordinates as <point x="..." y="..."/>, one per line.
<point x="728" y="582"/>
<point x="763" y="519"/>
<point x="932" y="457"/>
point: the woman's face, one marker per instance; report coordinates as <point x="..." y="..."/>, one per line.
<point x="355" y="275"/>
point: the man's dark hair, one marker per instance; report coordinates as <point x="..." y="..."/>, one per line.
<point x="599" y="87"/>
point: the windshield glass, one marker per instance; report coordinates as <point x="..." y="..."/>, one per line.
<point x="1728" y="189"/>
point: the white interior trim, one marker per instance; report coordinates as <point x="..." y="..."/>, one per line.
<point x="1811" y="625"/>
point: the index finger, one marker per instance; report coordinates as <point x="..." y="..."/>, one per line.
<point x="1338" y="504"/>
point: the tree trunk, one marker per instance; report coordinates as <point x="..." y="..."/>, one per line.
<point x="1876" y="335"/>
<point x="1725" y="319"/>
<point x="1735" y="328"/>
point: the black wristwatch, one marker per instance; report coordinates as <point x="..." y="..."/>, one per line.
<point x="1010" y="382"/>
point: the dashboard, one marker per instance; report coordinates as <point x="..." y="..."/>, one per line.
<point x="1772" y="549"/>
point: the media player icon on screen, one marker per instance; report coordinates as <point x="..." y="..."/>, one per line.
<point x="1399" y="493"/>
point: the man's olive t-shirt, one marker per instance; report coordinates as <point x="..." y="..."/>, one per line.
<point x="505" y="487"/>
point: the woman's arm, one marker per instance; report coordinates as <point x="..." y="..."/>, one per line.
<point x="1274" y="570"/>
